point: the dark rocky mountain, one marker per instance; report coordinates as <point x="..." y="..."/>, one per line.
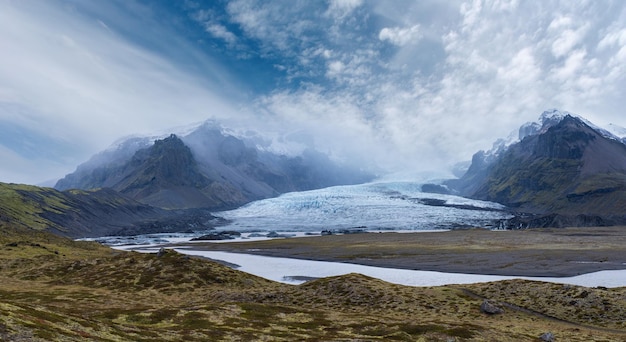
<point x="569" y="171"/>
<point x="79" y="214"/>
<point x="205" y="169"/>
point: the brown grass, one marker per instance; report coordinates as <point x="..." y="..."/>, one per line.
<point x="92" y="293"/>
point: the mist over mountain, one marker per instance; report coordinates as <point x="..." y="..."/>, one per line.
<point x="563" y="166"/>
<point x="206" y="168"/>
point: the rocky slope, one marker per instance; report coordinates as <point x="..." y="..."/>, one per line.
<point x="567" y="168"/>
<point x="94" y="213"/>
<point x="205" y="168"/>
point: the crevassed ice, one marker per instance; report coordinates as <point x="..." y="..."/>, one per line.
<point x="385" y="206"/>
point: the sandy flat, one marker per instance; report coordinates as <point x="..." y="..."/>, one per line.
<point x="538" y="253"/>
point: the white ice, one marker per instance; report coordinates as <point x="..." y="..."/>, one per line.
<point x="386" y="206"/>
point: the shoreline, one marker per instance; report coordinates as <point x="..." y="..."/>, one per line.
<point x="563" y="252"/>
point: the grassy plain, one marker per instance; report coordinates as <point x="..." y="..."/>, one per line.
<point x="54" y="289"/>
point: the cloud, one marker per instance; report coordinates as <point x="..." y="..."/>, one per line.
<point x="405" y="85"/>
<point x="568" y="36"/>
<point x="498" y="70"/>
<point x="219" y="31"/>
<point x="400" y="36"/>
<point x="341" y="8"/>
<point x="74" y="80"/>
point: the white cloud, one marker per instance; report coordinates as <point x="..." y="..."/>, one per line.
<point x="342" y="8"/>
<point x="572" y="66"/>
<point x="219" y="31"/>
<point x="79" y="82"/>
<point x="613" y="38"/>
<point x="459" y="75"/>
<point x="567" y="40"/>
<point x="400" y="36"/>
<point x="499" y="70"/>
<point x="522" y="68"/>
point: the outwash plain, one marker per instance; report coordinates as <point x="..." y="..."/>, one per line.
<point x="56" y="289"/>
<point x="548" y="252"/>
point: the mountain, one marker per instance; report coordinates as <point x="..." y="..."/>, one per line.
<point x="566" y="166"/>
<point x="205" y="168"/>
<point x="165" y="175"/>
<point x="78" y="213"/>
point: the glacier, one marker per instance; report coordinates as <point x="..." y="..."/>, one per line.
<point x="370" y="206"/>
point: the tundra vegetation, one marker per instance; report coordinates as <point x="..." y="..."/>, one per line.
<point x="53" y="288"/>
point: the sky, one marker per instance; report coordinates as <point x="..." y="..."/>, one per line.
<point x="410" y="86"/>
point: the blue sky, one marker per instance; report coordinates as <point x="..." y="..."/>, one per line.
<point x="414" y="86"/>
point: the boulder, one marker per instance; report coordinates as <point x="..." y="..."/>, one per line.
<point x="490" y="308"/>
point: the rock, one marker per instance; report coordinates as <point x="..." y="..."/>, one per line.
<point x="256" y="235"/>
<point x="435" y="189"/>
<point x="218" y="236"/>
<point x="274" y="235"/>
<point x="547" y="337"/>
<point x="353" y="230"/>
<point x="490" y="308"/>
<point x="161" y="252"/>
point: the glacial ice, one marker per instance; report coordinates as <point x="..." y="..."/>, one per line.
<point x="376" y="206"/>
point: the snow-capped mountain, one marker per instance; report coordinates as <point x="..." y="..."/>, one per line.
<point x="566" y="166"/>
<point x="617" y="131"/>
<point x="207" y="167"/>
<point x="546" y="120"/>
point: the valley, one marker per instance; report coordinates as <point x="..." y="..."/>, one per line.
<point x="335" y="170"/>
<point x="55" y="288"/>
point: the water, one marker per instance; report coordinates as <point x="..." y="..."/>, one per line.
<point x="292" y="271"/>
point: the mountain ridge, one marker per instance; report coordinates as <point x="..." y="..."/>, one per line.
<point x="206" y="168"/>
<point x="567" y="167"/>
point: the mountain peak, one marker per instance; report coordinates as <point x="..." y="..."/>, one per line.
<point x="553" y="116"/>
<point x="207" y="167"/>
<point x="567" y="166"/>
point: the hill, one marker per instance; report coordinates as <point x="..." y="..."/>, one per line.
<point x="79" y="213"/>
<point x="53" y="288"/>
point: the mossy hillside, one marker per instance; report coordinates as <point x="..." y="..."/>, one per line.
<point x="554" y="185"/>
<point x="92" y="213"/>
<point x="25" y="204"/>
<point x="25" y="251"/>
<point x="599" y="193"/>
<point x="587" y="306"/>
<point x="540" y="184"/>
<point x="95" y="294"/>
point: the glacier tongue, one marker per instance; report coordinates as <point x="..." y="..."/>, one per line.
<point x="376" y="206"/>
